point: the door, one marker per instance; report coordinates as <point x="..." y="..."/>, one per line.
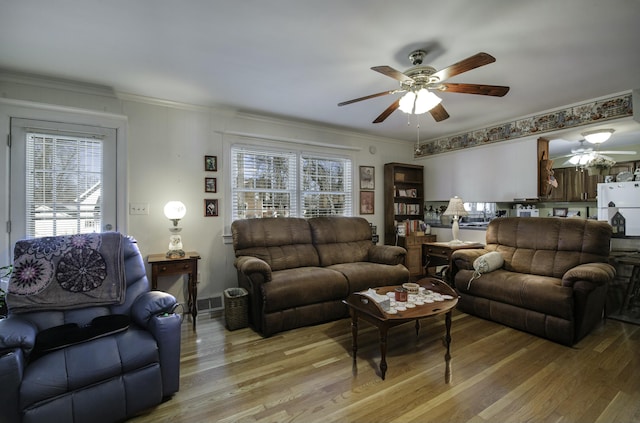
<point x="63" y="179"/>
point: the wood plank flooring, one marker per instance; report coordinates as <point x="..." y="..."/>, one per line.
<point x="498" y="375"/>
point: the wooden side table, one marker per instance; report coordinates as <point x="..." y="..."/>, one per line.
<point x="439" y="254"/>
<point x="163" y="266"/>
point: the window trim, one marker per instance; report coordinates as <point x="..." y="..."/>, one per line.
<point x="12" y="108"/>
<point x="299" y="147"/>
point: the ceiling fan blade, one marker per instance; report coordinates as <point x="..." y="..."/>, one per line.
<point x="439" y="113"/>
<point x="493" y="90"/>
<point x="355" y="100"/>
<point x="388" y="111"/>
<point x="616" y="152"/>
<point x="392" y="73"/>
<point x="465" y="65"/>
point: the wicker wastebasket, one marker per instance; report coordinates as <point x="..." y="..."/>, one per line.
<point x="235" y="308"/>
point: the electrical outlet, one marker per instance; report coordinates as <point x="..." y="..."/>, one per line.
<point x="138" y="208"/>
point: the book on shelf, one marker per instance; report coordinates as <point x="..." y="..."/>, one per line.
<point x="410" y="226"/>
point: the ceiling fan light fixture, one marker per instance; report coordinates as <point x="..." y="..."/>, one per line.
<point x="407" y="101"/>
<point x="418" y="103"/>
<point x="598" y="136"/>
<point x="425" y="101"/>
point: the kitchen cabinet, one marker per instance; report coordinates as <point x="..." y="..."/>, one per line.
<point x="578" y="185"/>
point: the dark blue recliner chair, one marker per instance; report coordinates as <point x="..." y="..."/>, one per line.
<point x="105" y="363"/>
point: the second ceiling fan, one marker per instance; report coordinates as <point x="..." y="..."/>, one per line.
<point x="421" y="77"/>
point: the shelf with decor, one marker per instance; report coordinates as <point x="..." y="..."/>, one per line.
<point x="404" y="210"/>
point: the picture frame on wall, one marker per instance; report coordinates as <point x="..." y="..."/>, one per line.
<point x="367" y="177"/>
<point x="210" y="185"/>
<point x="367" y="201"/>
<point x="210" y="207"/>
<point x="211" y="163"/>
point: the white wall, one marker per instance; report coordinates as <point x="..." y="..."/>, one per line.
<point x="166" y="145"/>
<point x="496" y="172"/>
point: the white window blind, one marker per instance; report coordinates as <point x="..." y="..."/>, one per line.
<point x="263" y="183"/>
<point x="272" y="183"/>
<point x="63" y="184"/>
<point x="326" y="186"/>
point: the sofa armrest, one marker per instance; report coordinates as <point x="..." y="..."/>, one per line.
<point x="16" y="332"/>
<point x="249" y="265"/>
<point x="596" y="273"/>
<point x="387" y="254"/>
<point x="12" y="364"/>
<point x="150" y="304"/>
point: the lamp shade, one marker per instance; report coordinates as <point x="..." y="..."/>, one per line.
<point x="175" y="210"/>
<point x="455" y="207"/>
<point x="598" y="136"/>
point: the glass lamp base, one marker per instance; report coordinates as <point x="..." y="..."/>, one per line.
<point x="174" y="254"/>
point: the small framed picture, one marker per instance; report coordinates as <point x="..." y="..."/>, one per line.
<point x="366" y="202"/>
<point x="210" y="185"/>
<point x="367" y="177"/>
<point x="210" y="207"/>
<point x="560" y="212"/>
<point x="211" y="163"/>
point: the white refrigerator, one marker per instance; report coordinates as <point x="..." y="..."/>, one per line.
<point x="623" y="198"/>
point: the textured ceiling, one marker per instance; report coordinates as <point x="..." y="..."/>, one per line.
<point x="298" y="59"/>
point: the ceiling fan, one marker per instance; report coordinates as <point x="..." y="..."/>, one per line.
<point x="426" y="77"/>
<point x="581" y="156"/>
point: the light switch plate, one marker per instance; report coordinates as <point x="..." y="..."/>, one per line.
<point x="138" y="208"/>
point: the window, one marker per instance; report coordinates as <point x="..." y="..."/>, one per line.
<point x="271" y="183"/>
<point x="63" y="186"/>
<point x="62" y="179"/>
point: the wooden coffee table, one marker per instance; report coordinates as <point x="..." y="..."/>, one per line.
<point x="363" y="307"/>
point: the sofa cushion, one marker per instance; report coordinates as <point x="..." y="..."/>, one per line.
<point x="62" y="336"/>
<point x="543" y="294"/>
<point x="282" y="243"/>
<point x="68" y="369"/>
<point x="341" y="239"/>
<point x="363" y="275"/>
<point x="548" y="246"/>
<point x="302" y="286"/>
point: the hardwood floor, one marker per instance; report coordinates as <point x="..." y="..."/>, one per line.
<point x="499" y="375"/>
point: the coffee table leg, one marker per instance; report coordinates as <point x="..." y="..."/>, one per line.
<point x="417" y="327"/>
<point x="447" y="342"/>
<point x="383" y="351"/>
<point x="354" y="333"/>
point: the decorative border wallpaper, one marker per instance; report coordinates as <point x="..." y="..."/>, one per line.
<point x="571" y="117"/>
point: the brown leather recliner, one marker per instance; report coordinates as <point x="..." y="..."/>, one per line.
<point x="554" y="279"/>
<point x="297" y="271"/>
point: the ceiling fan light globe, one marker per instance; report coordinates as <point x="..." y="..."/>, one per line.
<point x="598" y="136"/>
<point x="407" y="102"/>
<point x="425" y="101"/>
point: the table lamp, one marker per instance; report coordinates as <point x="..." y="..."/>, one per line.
<point x="457" y="210"/>
<point x="174" y="211"/>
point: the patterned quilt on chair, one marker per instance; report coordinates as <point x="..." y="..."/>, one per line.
<point x="66" y="272"/>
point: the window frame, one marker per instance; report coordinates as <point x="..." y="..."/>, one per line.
<point x="299" y="154"/>
<point x="11" y="108"/>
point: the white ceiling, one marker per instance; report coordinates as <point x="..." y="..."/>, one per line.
<point x="298" y="59"/>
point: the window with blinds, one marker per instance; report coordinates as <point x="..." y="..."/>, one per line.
<point x="326" y="186"/>
<point x="63" y="184"/>
<point x="270" y="183"/>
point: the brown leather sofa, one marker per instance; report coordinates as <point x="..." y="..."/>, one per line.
<point x="554" y="279"/>
<point x="297" y="271"/>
